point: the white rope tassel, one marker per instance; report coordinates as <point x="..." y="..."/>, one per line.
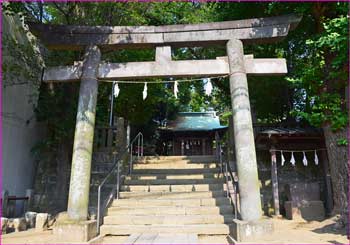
<point x="176" y="90"/>
<point x="144" y="93"/>
<point x="282" y="159"/>
<point x="116" y="90"/>
<point x="304" y="159"/>
<point x="208" y="87"/>
<point x="316" y="158"/>
<point x="292" y="159"/>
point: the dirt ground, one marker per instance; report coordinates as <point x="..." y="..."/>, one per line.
<point x="286" y="232"/>
<point x="297" y="232"/>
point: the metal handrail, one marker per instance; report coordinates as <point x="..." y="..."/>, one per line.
<point x="116" y="166"/>
<point x="227" y="172"/>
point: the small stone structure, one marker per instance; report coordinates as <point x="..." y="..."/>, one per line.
<point x="41" y="222"/>
<point x="17" y="224"/>
<point x="30" y="219"/>
<point x="304" y="202"/>
<point x="4" y="222"/>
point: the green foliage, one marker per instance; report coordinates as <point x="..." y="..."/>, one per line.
<point x="323" y="75"/>
<point x="313" y="90"/>
<point x="342" y="142"/>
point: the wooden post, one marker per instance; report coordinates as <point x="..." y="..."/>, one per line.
<point x="217" y="139"/>
<point x="182" y="148"/>
<point x="103" y="137"/>
<point x="121" y="135"/>
<point x="78" y="199"/>
<point x="128" y="134"/>
<point x="109" y="137"/>
<point x="274" y="181"/>
<point x="243" y="132"/>
<point x="203" y="147"/>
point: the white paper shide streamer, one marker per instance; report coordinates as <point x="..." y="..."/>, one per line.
<point x="144" y="93"/>
<point x="116" y="90"/>
<point x="304" y="159"/>
<point x="292" y="159"/>
<point x="208" y="87"/>
<point x="316" y="158"/>
<point x="282" y="159"/>
<point x="176" y="89"/>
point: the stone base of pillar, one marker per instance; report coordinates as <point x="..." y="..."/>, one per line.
<point x="247" y="231"/>
<point x="69" y="231"/>
<point x="279" y="216"/>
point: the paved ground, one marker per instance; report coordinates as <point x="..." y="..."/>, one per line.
<point x="286" y="232"/>
<point x="325" y="232"/>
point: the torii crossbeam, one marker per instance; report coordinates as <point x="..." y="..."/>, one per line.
<point x="237" y="65"/>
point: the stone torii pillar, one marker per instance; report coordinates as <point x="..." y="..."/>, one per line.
<point x="243" y="132"/>
<point x="78" y="200"/>
<point x="251" y="223"/>
<point x="75" y="227"/>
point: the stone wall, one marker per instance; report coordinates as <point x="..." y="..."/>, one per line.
<point x="22" y="66"/>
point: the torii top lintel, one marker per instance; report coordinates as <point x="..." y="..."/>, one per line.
<point x="260" y="30"/>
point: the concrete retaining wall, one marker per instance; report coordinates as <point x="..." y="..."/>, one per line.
<point x="22" y="65"/>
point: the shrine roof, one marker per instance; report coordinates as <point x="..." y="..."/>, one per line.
<point x="291" y="131"/>
<point x="295" y="132"/>
<point x="194" y="121"/>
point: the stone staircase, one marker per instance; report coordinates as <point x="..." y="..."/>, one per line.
<point x="171" y="195"/>
<point x="102" y="162"/>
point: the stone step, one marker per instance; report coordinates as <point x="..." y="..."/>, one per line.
<point x="188" y="202"/>
<point x="174" y="188"/>
<point x="160" y="238"/>
<point x="206" y="229"/>
<point x="165" y="210"/>
<point x="127" y="219"/>
<point x="174" y="181"/>
<point x="175" y="165"/>
<point x="170" y="195"/>
<point x="198" y="159"/>
<point x="175" y="171"/>
<point x="173" y="176"/>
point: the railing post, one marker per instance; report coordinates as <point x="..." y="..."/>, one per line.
<point x="236" y="197"/>
<point x="118" y="178"/>
<point x="130" y="160"/>
<point x="138" y="146"/>
<point x="141" y="145"/>
<point x="98" y="218"/>
<point x="227" y="176"/>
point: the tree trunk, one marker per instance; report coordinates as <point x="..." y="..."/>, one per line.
<point x="339" y="170"/>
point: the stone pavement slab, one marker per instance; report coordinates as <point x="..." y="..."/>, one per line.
<point x="155" y="238"/>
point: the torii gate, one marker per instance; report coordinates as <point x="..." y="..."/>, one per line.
<point x="237" y="65"/>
